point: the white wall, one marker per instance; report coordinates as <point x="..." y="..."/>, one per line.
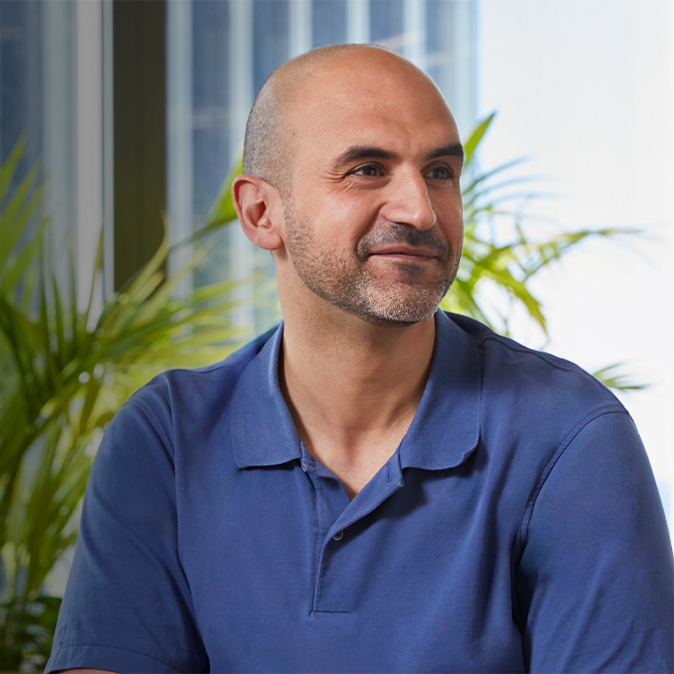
<point x="585" y="87"/>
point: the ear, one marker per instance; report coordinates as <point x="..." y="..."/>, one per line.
<point x="258" y="206"/>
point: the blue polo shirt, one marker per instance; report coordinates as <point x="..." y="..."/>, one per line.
<point x="516" y="528"/>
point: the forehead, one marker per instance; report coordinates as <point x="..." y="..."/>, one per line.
<point x="381" y="100"/>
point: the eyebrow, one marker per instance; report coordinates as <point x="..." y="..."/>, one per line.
<point x="451" y="150"/>
<point x="360" y="152"/>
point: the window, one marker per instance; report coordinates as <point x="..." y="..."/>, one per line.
<point x="584" y="89"/>
<point x="51" y="91"/>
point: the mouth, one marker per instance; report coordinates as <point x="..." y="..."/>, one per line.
<point x="406" y="253"/>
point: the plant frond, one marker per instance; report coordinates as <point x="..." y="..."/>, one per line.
<point x="612" y="377"/>
<point x="476" y="136"/>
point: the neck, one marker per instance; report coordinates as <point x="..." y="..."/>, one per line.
<point x="349" y="385"/>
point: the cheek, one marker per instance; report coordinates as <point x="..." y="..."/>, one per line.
<point x="343" y="218"/>
<point x="452" y="224"/>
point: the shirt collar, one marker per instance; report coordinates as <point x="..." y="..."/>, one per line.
<point x="263" y="432"/>
<point x="446" y="427"/>
<point x="444" y="432"/>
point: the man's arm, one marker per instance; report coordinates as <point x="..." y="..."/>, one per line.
<point x="128" y="605"/>
<point x="596" y="575"/>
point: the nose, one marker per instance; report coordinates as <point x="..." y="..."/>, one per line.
<point x="409" y="202"/>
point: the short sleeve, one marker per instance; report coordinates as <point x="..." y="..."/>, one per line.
<point x="596" y="575"/>
<point x="127" y="605"/>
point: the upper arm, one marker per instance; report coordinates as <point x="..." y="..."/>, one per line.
<point x="596" y="575"/>
<point x="127" y="605"/>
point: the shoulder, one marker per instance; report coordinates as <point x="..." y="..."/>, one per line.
<point x="534" y="406"/>
<point x="198" y="393"/>
<point x="513" y="374"/>
<point x="163" y="428"/>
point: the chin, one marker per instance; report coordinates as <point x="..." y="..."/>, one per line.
<point x="403" y="306"/>
<point x="383" y="322"/>
<point x="398" y="317"/>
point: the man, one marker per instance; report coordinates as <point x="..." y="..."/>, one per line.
<point x="374" y="486"/>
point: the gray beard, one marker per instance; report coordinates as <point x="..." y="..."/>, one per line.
<point x="355" y="291"/>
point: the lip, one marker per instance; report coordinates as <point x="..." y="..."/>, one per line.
<point x="405" y="252"/>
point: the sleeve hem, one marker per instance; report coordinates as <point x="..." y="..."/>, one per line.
<point x="548" y="467"/>
<point x="109" y="658"/>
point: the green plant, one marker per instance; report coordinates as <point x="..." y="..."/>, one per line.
<point x="64" y="375"/>
<point x="508" y="262"/>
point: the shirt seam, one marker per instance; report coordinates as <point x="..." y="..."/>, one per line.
<point x="157" y="426"/>
<point x="223" y="362"/>
<point x="543" y="476"/>
<point x="553" y="361"/>
<point x="318" y="547"/>
<point x="117" y="648"/>
<point x="549" y="466"/>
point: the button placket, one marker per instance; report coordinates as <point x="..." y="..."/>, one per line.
<point x="330" y="501"/>
<point x="334" y="585"/>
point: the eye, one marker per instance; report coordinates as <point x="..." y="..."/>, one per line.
<point x="369" y="170"/>
<point x="440" y="173"/>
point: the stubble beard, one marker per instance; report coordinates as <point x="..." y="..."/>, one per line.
<point x="352" y="287"/>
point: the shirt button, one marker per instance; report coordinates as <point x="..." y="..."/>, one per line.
<point x="338" y="536"/>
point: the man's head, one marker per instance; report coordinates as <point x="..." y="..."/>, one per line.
<point x="352" y="163"/>
<point x="265" y="147"/>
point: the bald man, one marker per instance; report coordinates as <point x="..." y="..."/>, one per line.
<point x="374" y="485"/>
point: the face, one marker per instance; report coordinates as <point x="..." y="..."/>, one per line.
<point x="373" y="220"/>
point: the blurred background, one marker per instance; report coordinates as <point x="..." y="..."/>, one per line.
<point x="136" y="108"/>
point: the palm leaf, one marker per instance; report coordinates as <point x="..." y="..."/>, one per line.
<point x="475" y="138"/>
<point x="64" y="381"/>
<point x="612" y="377"/>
